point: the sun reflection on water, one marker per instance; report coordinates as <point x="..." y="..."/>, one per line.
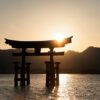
<point x="62" y="89"/>
<point x="61" y="92"/>
<point x="63" y="79"/>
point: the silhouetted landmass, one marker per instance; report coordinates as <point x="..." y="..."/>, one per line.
<point x="87" y="61"/>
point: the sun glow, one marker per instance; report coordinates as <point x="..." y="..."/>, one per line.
<point x="58" y="37"/>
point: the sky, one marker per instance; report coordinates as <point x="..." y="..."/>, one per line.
<point x="40" y="19"/>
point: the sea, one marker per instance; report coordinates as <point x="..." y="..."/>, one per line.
<point x="71" y="87"/>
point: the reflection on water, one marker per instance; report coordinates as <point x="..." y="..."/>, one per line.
<point x="71" y="87"/>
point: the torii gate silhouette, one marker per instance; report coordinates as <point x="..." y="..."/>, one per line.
<point x="52" y="71"/>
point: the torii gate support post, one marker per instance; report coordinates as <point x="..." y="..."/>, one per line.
<point x="28" y="72"/>
<point x="52" y="69"/>
<point x="16" y="73"/>
<point x="57" y="72"/>
<point x="23" y="68"/>
<point x="47" y="73"/>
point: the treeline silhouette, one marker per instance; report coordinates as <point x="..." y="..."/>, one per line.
<point x="86" y="62"/>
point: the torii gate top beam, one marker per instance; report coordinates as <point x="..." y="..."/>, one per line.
<point x="38" y="44"/>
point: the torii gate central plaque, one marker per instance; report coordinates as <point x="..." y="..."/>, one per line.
<point x="24" y="68"/>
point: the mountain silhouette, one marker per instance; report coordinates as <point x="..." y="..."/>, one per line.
<point x="86" y="62"/>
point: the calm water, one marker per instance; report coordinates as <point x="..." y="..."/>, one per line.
<point x="72" y="87"/>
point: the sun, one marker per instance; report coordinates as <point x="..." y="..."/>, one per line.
<point x="59" y="37"/>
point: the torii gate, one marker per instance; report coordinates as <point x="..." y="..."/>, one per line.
<point x="51" y="70"/>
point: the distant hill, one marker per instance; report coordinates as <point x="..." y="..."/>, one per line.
<point x="87" y="61"/>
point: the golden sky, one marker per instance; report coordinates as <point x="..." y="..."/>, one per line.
<point x="41" y="19"/>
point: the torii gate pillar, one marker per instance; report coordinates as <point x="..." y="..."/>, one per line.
<point x="49" y="71"/>
<point x="22" y="73"/>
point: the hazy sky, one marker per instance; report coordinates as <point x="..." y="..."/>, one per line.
<point x="40" y="19"/>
